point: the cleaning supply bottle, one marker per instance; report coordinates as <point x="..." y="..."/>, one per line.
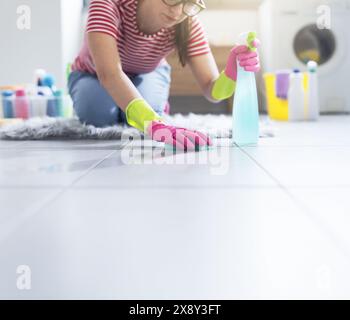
<point x="59" y="103"/>
<point x="1" y="108"/>
<point x="38" y="76"/>
<point x="245" y="106"/>
<point x="22" y="104"/>
<point x="49" y="81"/>
<point x="313" y="111"/>
<point x="51" y="110"/>
<point x="282" y="84"/>
<point x="296" y="97"/>
<point x="7" y="104"/>
<point x="38" y="106"/>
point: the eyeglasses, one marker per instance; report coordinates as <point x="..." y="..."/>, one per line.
<point x="190" y="8"/>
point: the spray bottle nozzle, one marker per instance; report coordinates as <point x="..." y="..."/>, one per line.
<point x="248" y="38"/>
<point x="250" y="41"/>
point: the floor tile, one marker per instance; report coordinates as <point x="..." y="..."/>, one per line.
<point x="20" y="204"/>
<point x="174" y="244"/>
<point x="329" y="207"/>
<point x="328" y="131"/>
<point x="46" y="167"/>
<point x="87" y="145"/>
<point x="220" y="167"/>
<point x="305" y="166"/>
<point x="6" y="144"/>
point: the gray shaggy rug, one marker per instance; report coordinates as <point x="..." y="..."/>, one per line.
<point x="46" y="128"/>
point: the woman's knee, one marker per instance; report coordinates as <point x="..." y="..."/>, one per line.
<point x="92" y="103"/>
<point x="94" y="113"/>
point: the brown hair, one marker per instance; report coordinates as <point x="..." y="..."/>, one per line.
<point x="182" y="36"/>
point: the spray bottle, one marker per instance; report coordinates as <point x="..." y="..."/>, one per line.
<point x="245" y="105"/>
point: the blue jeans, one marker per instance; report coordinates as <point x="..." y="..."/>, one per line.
<point x="93" y="105"/>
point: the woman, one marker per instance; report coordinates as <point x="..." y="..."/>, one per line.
<point x="121" y="74"/>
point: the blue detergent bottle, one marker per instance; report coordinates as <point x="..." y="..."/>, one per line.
<point x="7" y="104"/>
<point x="245" y="111"/>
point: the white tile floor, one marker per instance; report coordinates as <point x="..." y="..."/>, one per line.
<point x="90" y="221"/>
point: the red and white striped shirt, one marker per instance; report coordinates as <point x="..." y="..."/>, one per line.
<point x="139" y="53"/>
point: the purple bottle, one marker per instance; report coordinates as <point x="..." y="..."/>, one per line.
<point x="282" y="83"/>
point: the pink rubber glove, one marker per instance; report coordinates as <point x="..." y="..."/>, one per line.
<point x="180" y="138"/>
<point x="246" y="58"/>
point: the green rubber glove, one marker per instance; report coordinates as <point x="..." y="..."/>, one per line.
<point x="224" y="87"/>
<point x="140" y="114"/>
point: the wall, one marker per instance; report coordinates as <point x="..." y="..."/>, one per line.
<point x="224" y="26"/>
<point x="72" y="30"/>
<point x="233" y="4"/>
<point x="49" y="44"/>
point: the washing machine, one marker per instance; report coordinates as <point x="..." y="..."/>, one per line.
<point x="295" y="32"/>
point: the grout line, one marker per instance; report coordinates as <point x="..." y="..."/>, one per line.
<point x="31" y="187"/>
<point x="337" y="241"/>
<point x="178" y="187"/>
<point x="302" y="146"/>
<point x="169" y="187"/>
<point x="12" y="146"/>
<point x="91" y="168"/>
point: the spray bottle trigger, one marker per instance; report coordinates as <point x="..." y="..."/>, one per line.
<point x="250" y="41"/>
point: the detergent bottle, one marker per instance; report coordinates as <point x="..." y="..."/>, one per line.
<point x="38" y="106"/>
<point x="21" y="104"/>
<point x="296" y="97"/>
<point x="313" y="98"/>
<point x="59" y="103"/>
<point x="7" y="104"/>
<point x="245" y="106"/>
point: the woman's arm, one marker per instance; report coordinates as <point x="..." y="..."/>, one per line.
<point x="139" y="113"/>
<point x="104" y="51"/>
<point x="215" y="86"/>
<point x="206" y="72"/>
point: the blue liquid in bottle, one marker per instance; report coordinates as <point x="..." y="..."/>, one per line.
<point x="7" y="104"/>
<point x="245" y="110"/>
